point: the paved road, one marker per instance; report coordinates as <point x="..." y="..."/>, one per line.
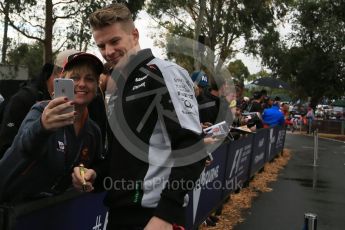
<point x="302" y="188"/>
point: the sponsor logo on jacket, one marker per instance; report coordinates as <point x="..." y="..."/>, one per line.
<point x="140" y="78"/>
<point x="61" y="146"/>
<point x="139" y="86"/>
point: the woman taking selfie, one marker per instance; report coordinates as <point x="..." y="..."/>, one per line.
<point x="55" y="136"/>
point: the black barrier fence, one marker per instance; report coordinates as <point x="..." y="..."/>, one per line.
<point x="241" y="160"/>
<point x="72" y="210"/>
<point x="233" y="165"/>
<point x="259" y="151"/>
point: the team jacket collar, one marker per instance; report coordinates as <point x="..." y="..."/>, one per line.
<point x="137" y="60"/>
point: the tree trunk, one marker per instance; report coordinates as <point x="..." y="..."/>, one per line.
<point x="314" y="101"/>
<point x="5" y="38"/>
<point x="198" y="48"/>
<point x="48" y="50"/>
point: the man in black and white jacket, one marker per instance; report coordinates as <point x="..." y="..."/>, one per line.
<point x="157" y="153"/>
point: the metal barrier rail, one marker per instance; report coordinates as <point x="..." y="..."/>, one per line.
<point x="316" y="147"/>
<point x="310" y="221"/>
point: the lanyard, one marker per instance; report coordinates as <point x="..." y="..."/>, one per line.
<point x="67" y="167"/>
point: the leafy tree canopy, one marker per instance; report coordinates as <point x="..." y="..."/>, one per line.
<point x="313" y="59"/>
<point x="238" y="71"/>
<point x="222" y="23"/>
<point x="37" y="20"/>
<point x="27" y="55"/>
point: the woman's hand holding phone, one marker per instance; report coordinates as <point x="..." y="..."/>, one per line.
<point x="60" y="111"/>
<point x="54" y="115"/>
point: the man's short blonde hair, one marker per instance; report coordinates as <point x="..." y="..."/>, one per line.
<point x="114" y="13"/>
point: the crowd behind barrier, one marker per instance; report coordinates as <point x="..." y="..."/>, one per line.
<point x="234" y="164"/>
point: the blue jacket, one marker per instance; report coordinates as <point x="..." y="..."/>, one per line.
<point x="42" y="161"/>
<point x="273" y="116"/>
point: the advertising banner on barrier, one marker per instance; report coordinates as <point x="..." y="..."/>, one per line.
<point x="259" y="151"/>
<point x="271" y="143"/>
<point x="238" y="164"/>
<point x="84" y="212"/>
<point x="281" y="132"/>
<point x="208" y="193"/>
<point x="275" y="143"/>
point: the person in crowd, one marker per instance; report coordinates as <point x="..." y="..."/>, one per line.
<point x="172" y="124"/>
<point x="239" y="121"/>
<point x="310" y="118"/>
<point x="264" y="99"/>
<point x="285" y="109"/>
<point x="263" y="92"/>
<point x="273" y="116"/>
<point x="267" y="102"/>
<point x="254" y="121"/>
<point x="238" y="118"/>
<point x="200" y="80"/>
<point x="104" y="78"/>
<point x="51" y="140"/>
<point x="255" y="104"/>
<point x="215" y="109"/>
<point x="241" y="101"/>
<point x="277" y="100"/>
<point x="39" y="90"/>
<point x="231" y="99"/>
<point x="20" y="103"/>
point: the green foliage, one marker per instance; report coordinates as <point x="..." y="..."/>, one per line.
<point x="134" y="5"/>
<point x="17" y="5"/>
<point x="32" y="19"/>
<point x="314" y="61"/>
<point x="262" y="73"/>
<point x="29" y="56"/>
<point x="224" y="22"/>
<point x="78" y="31"/>
<point x="238" y="71"/>
<point x="6" y="8"/>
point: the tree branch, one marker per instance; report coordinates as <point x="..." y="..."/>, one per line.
<point x="64" y="16"/>
<point x="58" y="3"/>
<point x="32" y="25"/>
<point x="58" y="49"/>
<point x="25" y="33"/>
<point x="173" y="16"/>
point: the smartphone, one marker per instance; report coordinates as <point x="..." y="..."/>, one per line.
<point x="64" y="88"/>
